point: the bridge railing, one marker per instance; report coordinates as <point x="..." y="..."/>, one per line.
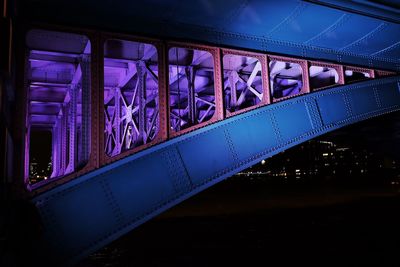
<point x="105" y="96"/>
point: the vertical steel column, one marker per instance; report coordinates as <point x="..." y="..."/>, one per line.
<point x="191" y="75"/>
<point x="218" y="85"/>
<point x="306" y="77"/>
<point x="54" y="157"/>
<point x="57" y="148"/>
<point x="25" y="107"/>
<point x="63" y="134"/>
<point x="306" y="72"/>
<point x="72" y="128"/>
<point x="341" y="75"/>
<point x="28" y="117"/>
<point x="57" y="155"/>
<point x="27" y="149"/>
<point x="141" y="72"/>
<point x="163" y="92"/>
<point x="59" y="143"/>
<point x="265" y="80"/>
<point x="86" y="115"/>
<point x="233" y="79"/>
<point x="119" y="141"/>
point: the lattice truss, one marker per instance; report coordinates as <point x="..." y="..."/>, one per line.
<point x="242" y="82"/>
<point x="286" y="78"/>
<point x="191" y="87"/>
<point x="131" y="104"/>
<point x="322" y="76"/>
<point x="58" y="82"/>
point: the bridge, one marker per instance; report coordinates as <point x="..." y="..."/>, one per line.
<point x="155" y="102"/>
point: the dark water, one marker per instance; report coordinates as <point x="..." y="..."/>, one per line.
<point x="236" y="224"/>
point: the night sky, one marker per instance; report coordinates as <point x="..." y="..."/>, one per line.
<point x="40" y="148"/>
<point x="380" y="135"/>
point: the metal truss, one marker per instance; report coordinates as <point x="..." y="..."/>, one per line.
<point x="152" y="91"/>
<point x="243" y="86"/>
<point x="191" y="83"/>
<point x="127" y="193"/>
<point x="131" y="108"/>
<point x="288" y="77"/>
<point x="59" y="93"/>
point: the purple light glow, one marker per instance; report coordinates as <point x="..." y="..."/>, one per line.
<point x="191" y="84"/>
<point x="286" y="78"/>
<point x="242" y="82"/>
<point x="322" y="77"/>
<point x="355" y="75"/>
<point x="58" y="82"/>
<point x="131" y="107"/>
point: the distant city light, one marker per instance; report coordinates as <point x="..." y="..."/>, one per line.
<point x="326" y="142"/>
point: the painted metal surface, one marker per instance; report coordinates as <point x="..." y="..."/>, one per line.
<point x="87" y="156"/>
<point x="283" y="27"/>
<point x="131" y="101"/>
<point x="291" y="27"/>
<point x="159" y="75"/>
<point x="191" y="87"/>
<point x="101" y="204"/>
<point x="288" y="77"/>
<point x="87" y="213"/>
<point x="150" y="91"/>
<point x="214" y="112"/>
<point x="245" y="81"/>
<point x="323" y="75"/>
<point x="59" y="92"/>
<point x="385" y="10"/>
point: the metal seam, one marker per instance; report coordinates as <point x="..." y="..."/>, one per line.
<point x="341" y="91"/>
<point x="369" y="35"/>
<point x="292" y="16"/>
<point x="231" y="145"/>
<point x="364" y="116"/>
<point x="338" y="23"/>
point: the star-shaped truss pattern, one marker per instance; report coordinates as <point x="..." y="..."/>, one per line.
<point x="132" y="112"/>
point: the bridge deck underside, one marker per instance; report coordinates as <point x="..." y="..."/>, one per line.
<point x="95" y="209"/>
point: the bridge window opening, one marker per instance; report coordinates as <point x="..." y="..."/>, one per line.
<point x="131" y="102"/>
<point x="353" y="75"/>
<point x="286" y="79"/>
<point x="191" y="87"/>
<point x="40" y="154"/>
<point x="321" y="77"/>
<point x="243" y="86"/>
<point x="58" y="86"/>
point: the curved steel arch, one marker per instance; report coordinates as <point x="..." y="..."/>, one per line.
<point x="89" y="212"/>
<point x="353" y="32"/>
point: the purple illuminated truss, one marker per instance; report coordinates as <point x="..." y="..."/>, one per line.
<point x="353" y="74"/>
<point x="191" y="87"/>
<point x="322" y="76"/>
<point x="131" y="108"/>
<point x="242" y="82"/>
<point x="57" y="80"/>
<point x="58" y="83"/>
<point x="286" y="78"/>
